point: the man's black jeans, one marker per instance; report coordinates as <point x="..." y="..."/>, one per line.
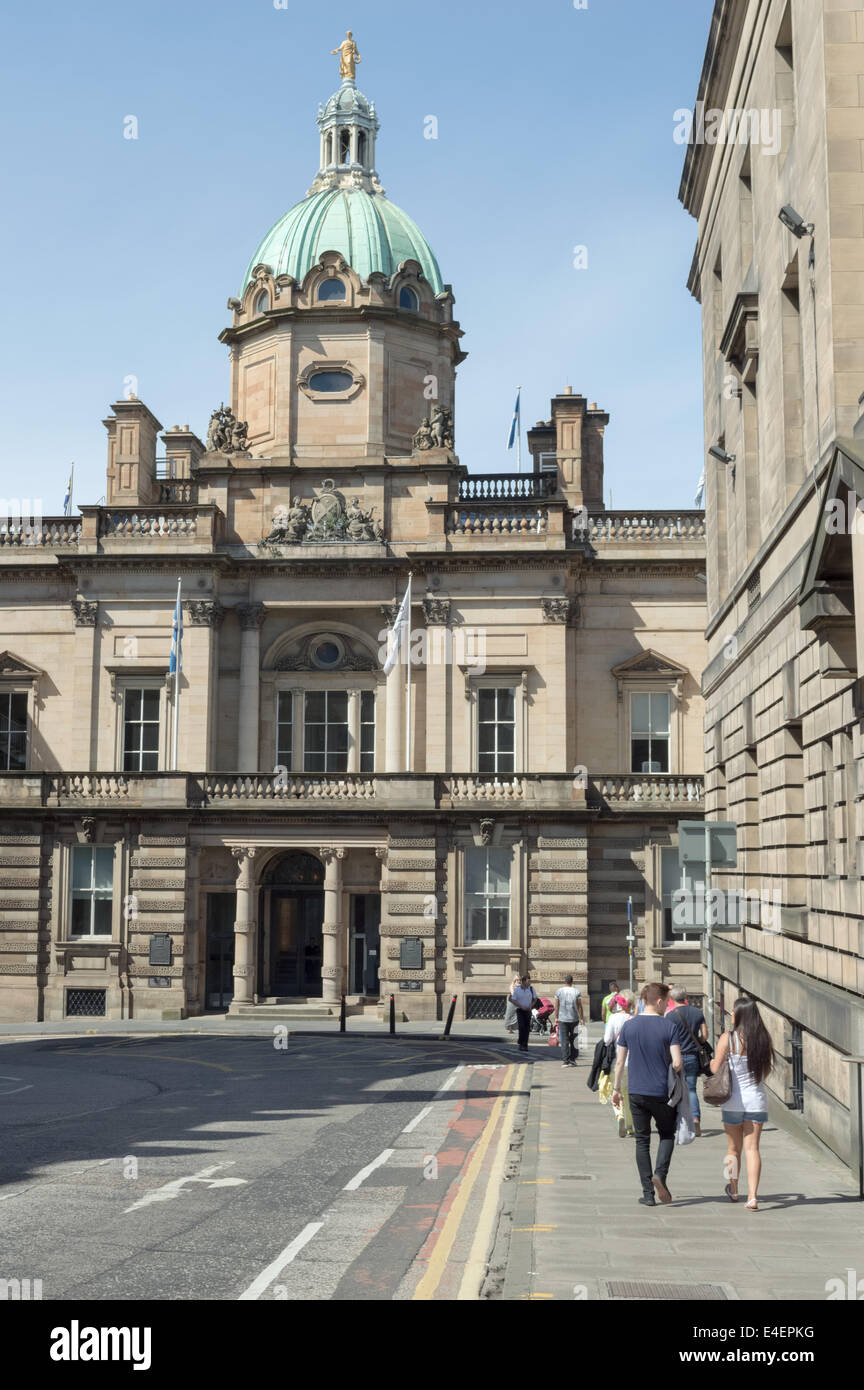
<point x="643" y="1108"/>
<point x="567" y="1040"/>
<point x="523" y="1023"/>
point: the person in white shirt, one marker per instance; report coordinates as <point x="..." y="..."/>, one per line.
<point x="622" y="1007"/>
<point x="568" y="1017"/>
<point x="525" y="999"/>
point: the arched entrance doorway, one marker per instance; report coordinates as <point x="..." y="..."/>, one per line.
<point x="291" y="947"/>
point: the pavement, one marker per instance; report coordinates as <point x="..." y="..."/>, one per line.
<point x="578" y="1231"/>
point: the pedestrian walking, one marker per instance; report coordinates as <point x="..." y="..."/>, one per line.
<point x="510" y="1011"/>
<point x="525" y="999"/>
<point x="605" y="1004"/>
<point x="568" y="1017"/>
<point x="693" y="1028"/>
<point x="750" y="1053"/>
<point x="648" y="1044"/>
<point x="623" y="1007"/>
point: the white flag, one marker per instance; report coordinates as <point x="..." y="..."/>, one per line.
<point x="700" y="491"/>
<point x="397" y="632"/>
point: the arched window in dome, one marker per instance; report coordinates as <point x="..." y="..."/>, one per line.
<point x="361" y="147"/>
<point x="328" y="149"/>
<point x="331" y="289"/>
<point x="408" y="299"/>
<point x="262" y="303"/>
<point x="344" y="147"/>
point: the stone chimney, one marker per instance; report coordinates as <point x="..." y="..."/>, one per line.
<point x="575" y="433"/>
<point x="132" y="433"/>
<point x="183" y="450"/>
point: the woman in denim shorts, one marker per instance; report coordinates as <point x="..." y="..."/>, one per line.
<point x="751" y="1057"/>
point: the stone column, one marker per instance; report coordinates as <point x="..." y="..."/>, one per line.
<point x="333" y="971"/>
<point x="245" y="927"/>
<point x="438" y="662"/>
<point x="251" y="616"/>
<point x="197" y="713"/>
<point x="353" y="730"/>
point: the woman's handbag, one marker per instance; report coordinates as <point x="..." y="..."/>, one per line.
<point x="718" y="1088"/>
<point x="704" y="1050"/>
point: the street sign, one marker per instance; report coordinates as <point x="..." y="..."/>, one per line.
<point x="723" y="840"/>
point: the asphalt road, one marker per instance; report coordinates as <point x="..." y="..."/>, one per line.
<point x="198" y="1167"/>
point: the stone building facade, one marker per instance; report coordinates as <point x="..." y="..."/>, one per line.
<point x="783" y="350"/>
<point x="311" y="839"/>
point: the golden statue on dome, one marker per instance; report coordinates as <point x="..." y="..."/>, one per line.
<point x="348" y="57"/>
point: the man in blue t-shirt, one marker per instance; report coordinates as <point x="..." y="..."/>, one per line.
<point x="651" y="1042"/>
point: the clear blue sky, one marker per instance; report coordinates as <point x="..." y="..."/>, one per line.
<point x="555" y="130"/>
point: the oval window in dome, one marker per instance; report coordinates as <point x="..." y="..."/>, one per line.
<point x="331" y="289"/>
<point x="262" y="303"/>
<point x="408" y="300"/>
<point x="331" y="381"/>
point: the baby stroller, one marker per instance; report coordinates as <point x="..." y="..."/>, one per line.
<point x="541" y="1016"/>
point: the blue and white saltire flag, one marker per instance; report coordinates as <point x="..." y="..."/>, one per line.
<point x="516" y="425"/>
<point x="700" y="491"/>
<point x="67" y="499"/>
<point x="399" y="631"/>
<point x="175" y="665"/>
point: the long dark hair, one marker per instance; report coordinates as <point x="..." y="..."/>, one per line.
<point x="755" y="1039"/>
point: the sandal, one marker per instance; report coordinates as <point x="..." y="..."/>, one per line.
<point x="733" y="1196"/>
<point x="752" y="1205"/>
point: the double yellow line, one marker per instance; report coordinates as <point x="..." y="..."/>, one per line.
<point x="475" y="1266"/>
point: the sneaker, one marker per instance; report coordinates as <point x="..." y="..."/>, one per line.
<point x="622" y="1127"/>
<point x="662" y="1190"/>
<point x="647" y="1202"/>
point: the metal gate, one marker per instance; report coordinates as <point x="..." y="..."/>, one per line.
<point x="486" y="1006"/>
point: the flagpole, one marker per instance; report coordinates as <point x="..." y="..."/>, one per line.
<point x="67" y="509"/>
<point x="408" y="684"/>
<point x="177" y="680"/>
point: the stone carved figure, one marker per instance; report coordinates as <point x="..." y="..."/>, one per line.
<point x="436" y="431"/>
<point x="327" y="520"/>
<point x="349" y="57"/>
<point x="289" y="526"/>
<point x="441" y="424"/>
<point x="423" y="437"/>
<point x="226" y="434"/>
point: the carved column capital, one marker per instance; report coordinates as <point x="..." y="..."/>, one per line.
<point x="85" y="611"/>
<point x="560" y="610"/>
<point x="250" y="615"/>
<point x="390" y="612"/>
<point x="330" y="853"/>
<point x="436" y="612"/>
<point x="204" y="613"/>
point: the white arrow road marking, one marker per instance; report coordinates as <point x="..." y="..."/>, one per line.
<point x="178" y="1186"/>
<point x="28" y="1087"/>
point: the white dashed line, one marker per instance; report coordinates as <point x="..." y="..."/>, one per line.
<point x="417" y="1118"/>
<point x="266" y="1277"/>
<point x="364" y="1172"/>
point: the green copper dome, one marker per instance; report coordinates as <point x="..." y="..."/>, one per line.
<point x="371" y="233"/>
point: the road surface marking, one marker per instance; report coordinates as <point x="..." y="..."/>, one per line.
<point x="177" y="1187"/>
<point x="370" y="1168"/>
<point x="452" y="1078"/>
<point x="428" y="1285"/>
<point x="266" y="1277"/>
<point x="28" y="1087"/>
<point x="475" y="1266"/>
<point x="417" y="1118"/>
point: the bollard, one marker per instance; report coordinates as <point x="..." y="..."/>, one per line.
<point x="392" y="1013"/>
<point x="342" y="1016"/>
<point x="450" y="1014"/>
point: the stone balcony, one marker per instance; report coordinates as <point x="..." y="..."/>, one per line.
<point x="380" y="792"/>
<point x="116" y="530"/>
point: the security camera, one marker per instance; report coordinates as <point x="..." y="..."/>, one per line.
<point x="720" y="454"/>
<point x="796" y="224"/>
